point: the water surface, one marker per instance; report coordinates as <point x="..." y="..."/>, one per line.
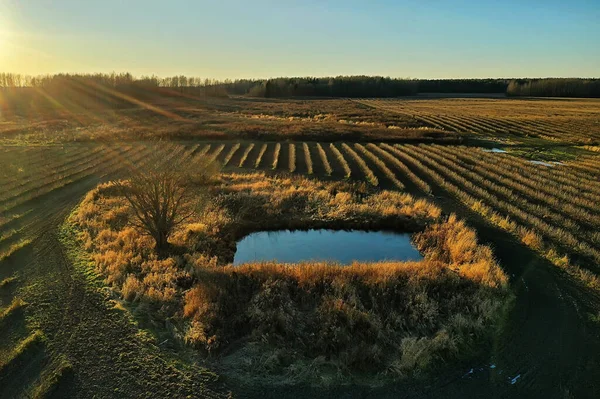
<point x="497" y="150"/>
<point x="325" y="245"/>
<point x="544" y="163"/>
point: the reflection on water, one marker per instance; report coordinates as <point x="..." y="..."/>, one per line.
<point x="325" y="245"/>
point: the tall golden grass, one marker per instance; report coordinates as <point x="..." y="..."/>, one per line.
<point x="367" y="317"/>
<point x="393" y="318"/>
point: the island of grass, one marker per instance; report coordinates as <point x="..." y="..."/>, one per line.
<point x="309" y="322"/>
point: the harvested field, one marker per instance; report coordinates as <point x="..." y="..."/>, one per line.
<point x="395" y="120"/>
<point x="558" y="120"/>
<point x="541" y="220"/>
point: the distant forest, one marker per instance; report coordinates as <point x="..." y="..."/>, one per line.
<point x="114" y="86"/>
<point x="554" y="88"/>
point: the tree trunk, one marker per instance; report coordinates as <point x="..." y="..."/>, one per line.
<point x="162" y="244"/>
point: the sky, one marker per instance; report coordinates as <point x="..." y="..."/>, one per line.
<point x="269" y="38"/>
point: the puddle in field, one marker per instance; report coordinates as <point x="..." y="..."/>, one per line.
<point x="497" y="150"/>
<point x="343" y="247"/>
<point x="543" y="163"/>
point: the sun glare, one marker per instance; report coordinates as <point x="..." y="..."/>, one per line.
<point x="4" y="35"/>
<point x="2" y="46"/>
<point x="6" y="30"/>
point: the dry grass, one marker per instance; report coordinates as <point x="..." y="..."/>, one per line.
<point x="292" y="157"/>
<point x="400" y="166"/>
<point x="204" y="151"/>
<point x="276" y="155"/>
<point x="354" y="315"/>
<point x="261" y="153"/>
<point x="393" y="120"/>
<point x="381" y="165"/>
<point x="571" y="121"/>
<point x="536" y="210"/>
<point x="307" y="159"/>
<point x="231" y="153"/>
<point x="221" y="119"/>
<point x="369" y="175"/>
<point x="341" y="160"/>
<point x="392" y="318"/>
<point x="213" y="157"/>
<point x="324" y="160"/>
<point x="245" y="155"/>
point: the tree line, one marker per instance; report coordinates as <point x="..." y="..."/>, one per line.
<point x="340" y="86"/>
<point x="114" y="80"/>
<point x="22" y="94"/>
<point x="555" y="88"/>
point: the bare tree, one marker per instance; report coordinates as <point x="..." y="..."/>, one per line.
<point x="164" y="196"/>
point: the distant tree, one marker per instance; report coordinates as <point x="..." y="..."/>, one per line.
<point x="183" y="82"/>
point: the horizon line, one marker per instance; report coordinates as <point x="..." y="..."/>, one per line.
<point x="137" y="76"/>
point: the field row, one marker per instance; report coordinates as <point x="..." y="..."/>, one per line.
<point x="493" y="117"/>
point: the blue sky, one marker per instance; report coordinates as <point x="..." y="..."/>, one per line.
<point x="234" y="38"/>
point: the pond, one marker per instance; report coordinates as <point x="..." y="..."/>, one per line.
<point x="339" y="246"/>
